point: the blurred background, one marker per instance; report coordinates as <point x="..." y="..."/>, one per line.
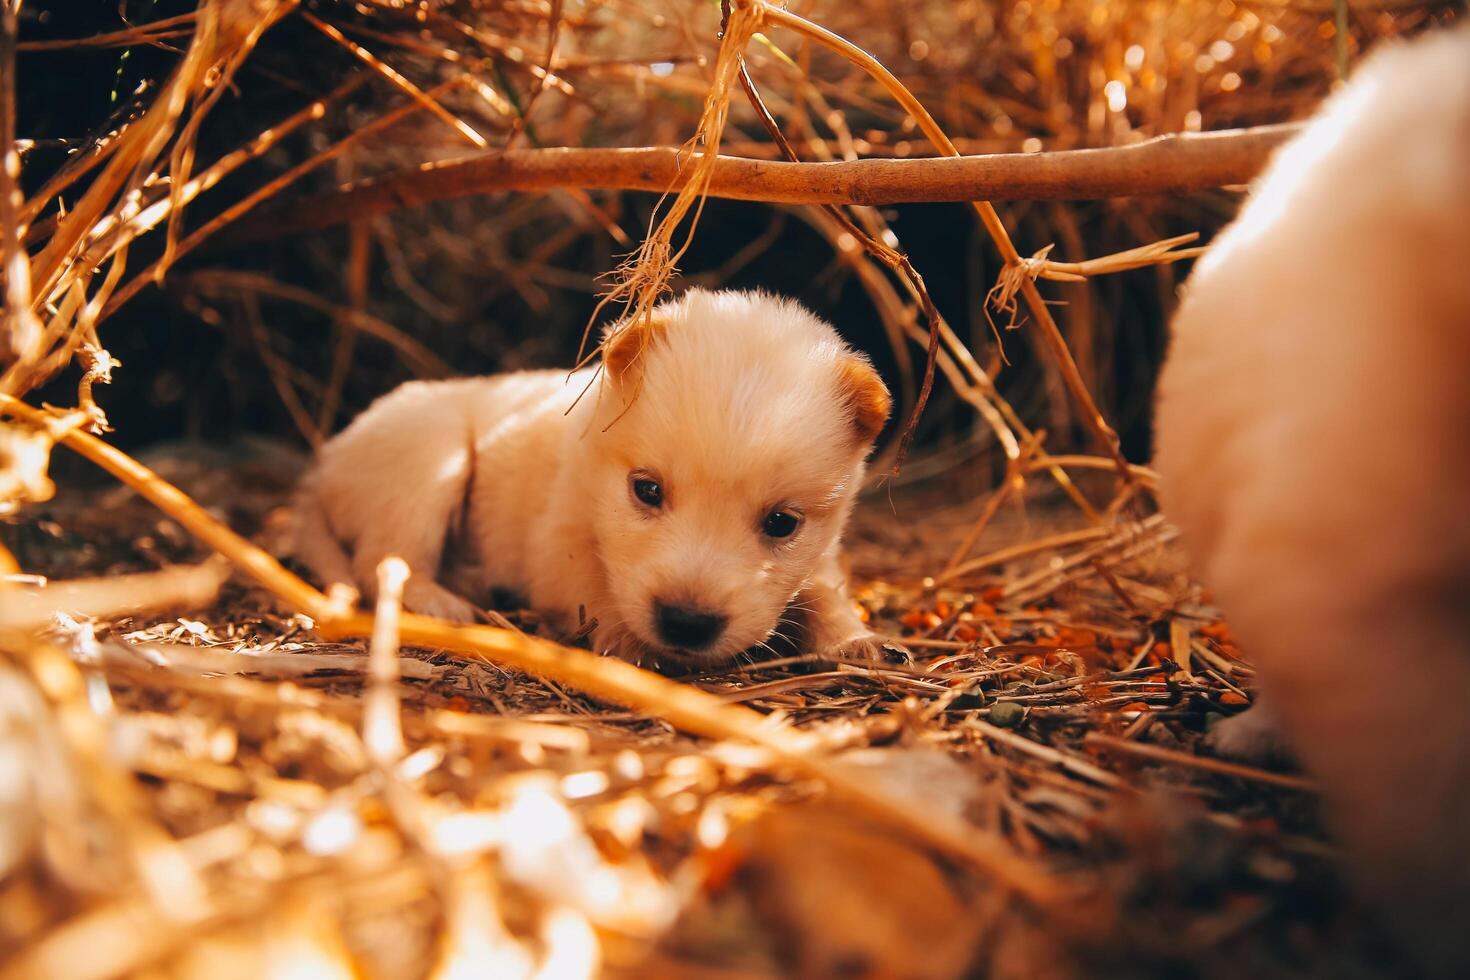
<point x="259" y="336"/>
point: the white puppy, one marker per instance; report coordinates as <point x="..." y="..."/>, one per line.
<point x="1314" y="443"/>
<point x="691" y="501"/>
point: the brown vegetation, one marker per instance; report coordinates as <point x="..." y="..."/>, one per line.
<point x="277" y="780"/>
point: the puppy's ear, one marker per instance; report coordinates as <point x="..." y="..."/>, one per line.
<point x="627" y="344"/>
<point x="865" y="396"/>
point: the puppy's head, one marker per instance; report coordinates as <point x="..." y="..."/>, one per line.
<point x="729" y="444"/>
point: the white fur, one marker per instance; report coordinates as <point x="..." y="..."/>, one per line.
<point x="1314" y="444"/>
<point x="738" y="407"/>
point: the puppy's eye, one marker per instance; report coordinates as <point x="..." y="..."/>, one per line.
<point x="779" y="524"/>
<point x="648" y="491"/>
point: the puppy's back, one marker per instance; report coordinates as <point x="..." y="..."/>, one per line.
<point x="1314" y="441"/>
<point x="400" y="476"/>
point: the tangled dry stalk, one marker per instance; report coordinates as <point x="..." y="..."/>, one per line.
<point x="259" y="791"/>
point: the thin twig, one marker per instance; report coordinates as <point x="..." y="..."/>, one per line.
<point x="164" y="27"/>
<point x="895" y="260"/>
<point x="423" y="98"/>
<point x="219" y="281"/>
<point x="1218" y="766"/>
<point x="235" y="211"/>
<point x="988" y="217"/>
<point x="1002" y="555"/>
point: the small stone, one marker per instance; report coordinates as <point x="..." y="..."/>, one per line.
<point x="969" y="700"/>
<point x="1007" y="714"/>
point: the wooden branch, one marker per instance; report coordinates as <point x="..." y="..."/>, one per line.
<point x="1175" y="163"/>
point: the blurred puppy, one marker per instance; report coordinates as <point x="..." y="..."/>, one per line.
<point x="690" y="503"/>
<point x="1314" y="445"/>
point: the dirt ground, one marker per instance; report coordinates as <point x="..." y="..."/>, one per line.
<point x="1041" y="705"/>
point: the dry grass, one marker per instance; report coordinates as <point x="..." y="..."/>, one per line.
<point x="249" y="757"/>
<point x="212" y="776"/>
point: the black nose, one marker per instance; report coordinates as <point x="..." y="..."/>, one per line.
<point x="686" y="627"/>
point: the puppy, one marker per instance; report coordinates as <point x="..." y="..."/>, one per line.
<point x="1314" y="446"/>
<point x="690" y="499"/>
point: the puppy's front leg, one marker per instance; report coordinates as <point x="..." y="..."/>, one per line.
<point x="564" y="582"/>
<point x="412" y="511"/>
<point x="1254" y="736"/>
<point x="832" y="625"/>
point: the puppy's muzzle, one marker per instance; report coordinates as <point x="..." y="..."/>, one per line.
<point x="687" y="627"/>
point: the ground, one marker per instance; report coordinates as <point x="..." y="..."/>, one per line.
<point x="1056" y="702"/>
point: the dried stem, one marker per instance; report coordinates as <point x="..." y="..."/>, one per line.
<point x="423" y="98"/>
<point x="644" y="278"/>
<point x="895" y="260"/>
<point x="1219" y="766"/>
<point x="988" y="216"/>
<point x="22" y="329"/>
<point x="271" y="187"/>
<point x="110" y="235"/>
<point x="146" y="141"/>
<point x="23" y="608"/>
<point x="1013" y="552"/>
<point x="165" y="27"/>
<point x="382" y="731"/>
<point x="221" y="282"/>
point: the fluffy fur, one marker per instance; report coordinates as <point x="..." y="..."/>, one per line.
<point x="736" y="404"/>
<point x="1314" y="443"/>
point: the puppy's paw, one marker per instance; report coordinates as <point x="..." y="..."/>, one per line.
<point x="1252" y="736"/>
<point x="870" y="647"/>
<point x="618" y="642"/>
<point x="432" y="599"/>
